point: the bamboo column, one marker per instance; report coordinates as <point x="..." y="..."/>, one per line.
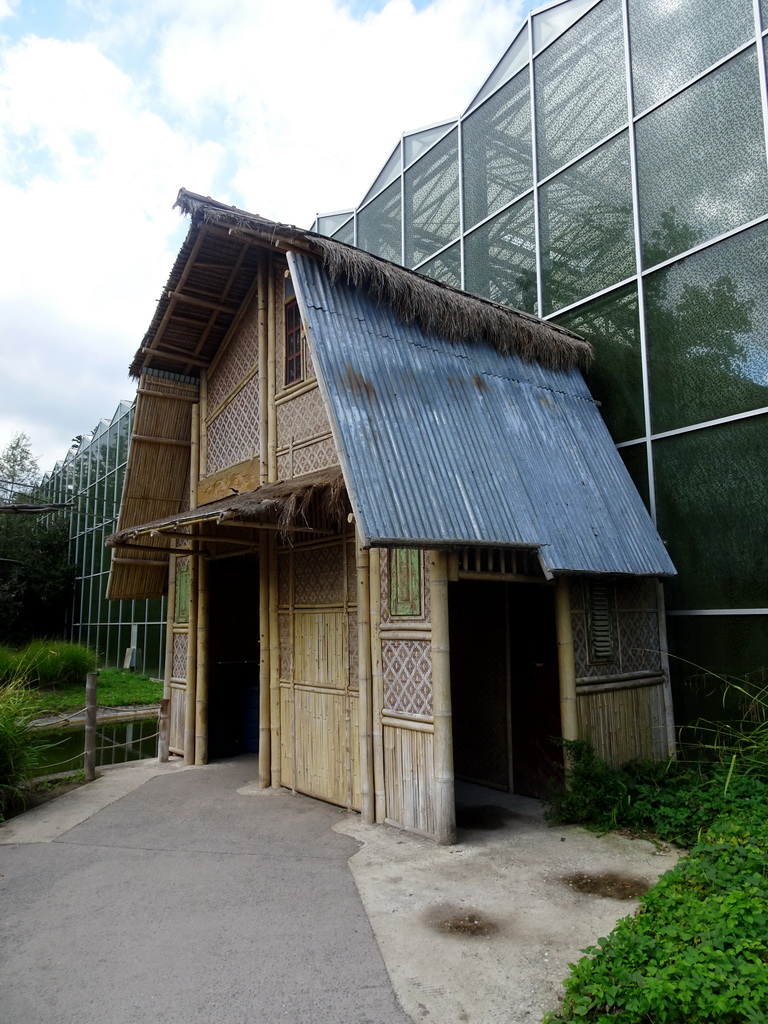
<point x="669" y="714"/>
<point x="274" y="663"/>
<point x="265" y="760"/>
<point x="170" y="618"/>
<point x="569" y="722"/>
<point x="364" y="677"/>
<point x="445" y="803"/>
<point x="261" y="326"/>
<point x="377" y="685"/>
<point x="201" y="681"/>
<point x="271" y="374"/>
<point x="190" y="690"/>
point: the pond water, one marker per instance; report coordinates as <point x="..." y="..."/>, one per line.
<point x="116" y="742"/>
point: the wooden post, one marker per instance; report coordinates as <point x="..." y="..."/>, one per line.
<point x="377" y="685"/>
<point x="569" y="722"/>
<point x="445" y="803"/>
<point x="364" y="677"/>
<point x="163" y="724"/>
<point x="201" y="681"/>
<point x="194" y="456"/>
<point x="271" y="374"/>
<point x="669" y="714"/>
<point x="191" y="686"/>
<point x="89" y="761"/>
<point x="274" y="663"/>
<point x="261" y="328"/>
<point x="265" y="759"/>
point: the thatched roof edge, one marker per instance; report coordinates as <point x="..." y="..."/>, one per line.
<point x="436" y="307"/>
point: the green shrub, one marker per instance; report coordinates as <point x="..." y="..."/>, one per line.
<point x="51" y="663"/>
<point x="9" y="661"/>
<point x="20" y="745"/>
<point x="696" y="952"/>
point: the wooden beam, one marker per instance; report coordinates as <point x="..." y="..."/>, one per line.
<point x="207" y="539"/>
<point x="192" y="300"/>
<point x="161" y="440"/>
<point x="140" y="561"/>
<point x="166" y="394"/>
<point x="173" y="352"/>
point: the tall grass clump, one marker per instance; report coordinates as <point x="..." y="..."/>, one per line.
<point x="20" y="744"/>
<point x="52" y="663"/>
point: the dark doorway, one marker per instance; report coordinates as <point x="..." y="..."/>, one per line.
<point x="233" y="656"/>
<point x="505" y="685"/>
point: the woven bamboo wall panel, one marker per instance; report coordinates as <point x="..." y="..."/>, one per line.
<point x="176" y="720"/>
<point x="286" y="650"/>
<point x="307" y="459"/>
<point x="408" y="779"/>
<point x="386" y="614"/>
<point x="321" y="745"/>
<point x="624" y="724"/>
<point x="319" y="648"/>
<point x="634" y="625"/>
<point x="179" y="670"/>
<point x="352" y="647"/>
<point x="286" y="736"/>
<point x="301" y="418"/>
<point x="240" y="357"/>
<point x="319" y="575"/>
<point x="233" y="435"/>
<point x="284" y="561"/>
<point x="407" y="668"/>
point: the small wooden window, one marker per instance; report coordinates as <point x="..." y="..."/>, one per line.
<point x="294" y="363"/>
<point x="181" y="612"/>
<point x="405" y="582"/>
<point x="599" y="622"/>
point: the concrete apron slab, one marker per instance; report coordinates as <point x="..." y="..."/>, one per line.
<point x="483" y="932"/>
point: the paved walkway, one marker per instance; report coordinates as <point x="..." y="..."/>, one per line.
<point x="189" y="894"/>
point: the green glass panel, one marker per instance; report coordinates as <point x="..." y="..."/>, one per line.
<point x="636" y="461"/>
<point x="701" y="161"/>
<point x="580" y="87"/>
<point x="182" y="593"/>
<point x="734" y="646"/>
<point x="378" y="225"/>
<point x="711" y="497"/>
<point x="707" y="320"/>
<point x="586" y="226"/>
<point x="405" y="581"/>
<point x="500" y="260"/>
<point x="346" y="233"/>
<point x="446" y="267"/>
<point x="615" y="377"/>
<point x="432" y="201"/>
<point x="671" y="43"/>
<point x="496" y="143"/>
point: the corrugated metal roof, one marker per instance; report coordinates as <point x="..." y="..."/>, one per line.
<point x="455" y="444"/>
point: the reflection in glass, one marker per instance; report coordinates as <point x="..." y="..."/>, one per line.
<point x="707" y="326"/>
<point x="635" y="459"/>
<point x="446" y="267"/>
<point x="432" y="201"/>
<point x="346" y="233"/>
<point x="513" y="60"/>
<point x="701" y="161"/>
<point x="386" y="176"/>
<point x="586" y="226"/>
<point x="418" y="143"/>
<point x="717" y="479"/>
<point x="552" y="23"/>
<point x="671" y="43"/>
<point x="500" y="258"/>
<point x="581" y="91"/>
<point x="615" y="377"/>
<point x="378" y="225"/>
<point x="496" y="143"/>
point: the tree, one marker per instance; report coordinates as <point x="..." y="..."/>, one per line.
<point x="36" y="579"/>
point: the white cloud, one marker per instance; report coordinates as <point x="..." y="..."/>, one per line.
<point x="284" y="109"/>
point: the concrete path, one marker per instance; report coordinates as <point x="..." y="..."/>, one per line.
<point x="165" y="893"/>
<point x="176" y="897"/>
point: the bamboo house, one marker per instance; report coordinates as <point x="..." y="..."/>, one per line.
<point x="399" y="545"/>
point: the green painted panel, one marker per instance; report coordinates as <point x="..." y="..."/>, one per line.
<point x="182" y="593"/>
<point x="405" y="582"/>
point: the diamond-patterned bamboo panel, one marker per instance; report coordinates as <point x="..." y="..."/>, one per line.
<point x="407" y="668"/>
<point x="302" y="418"/>
<point x="179" y="670"/>
<point x="319" y="575"/>
<point x="241" y="356"/>
<point x="233" y="436"/>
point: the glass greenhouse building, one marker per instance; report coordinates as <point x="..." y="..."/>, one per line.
<point x="611" y="175"/>
<point x="91" y="478"/>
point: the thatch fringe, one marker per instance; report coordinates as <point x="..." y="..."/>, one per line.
<point x="316" y="500"/>
<point x="436" y="307"/>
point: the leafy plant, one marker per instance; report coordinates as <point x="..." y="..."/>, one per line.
<point x="20" y="744"/>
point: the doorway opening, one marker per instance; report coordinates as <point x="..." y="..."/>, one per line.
<point x="233" y="656"/>
<point x="505" y="686"/>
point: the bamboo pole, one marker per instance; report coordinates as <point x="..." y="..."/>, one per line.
<point x="89" y="760"/>
<point x="164" y="720"/>
<point x="163" y="726"/>
<point x="445" y="804"/>
<point x="201" y="683"/>
<point x="265" y="759"/>
<point x="202" y="455"/>
<point x="569" y="722"/>
<point x="194" y="456"/>
<point x="271" y="374"/>
<point x="191" y="681"/>
<point x="377" y="686"/>
<point x="364" y="676"/>
<point x="274" y="662"/>
<point x="261" y="299"/>
<point x="669" y="713"/>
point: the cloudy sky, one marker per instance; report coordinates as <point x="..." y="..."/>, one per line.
<point x="108" y="107"/>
